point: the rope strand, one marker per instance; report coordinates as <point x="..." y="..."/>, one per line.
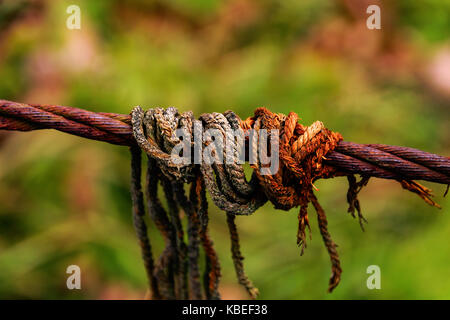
<point x="139" y="223"/>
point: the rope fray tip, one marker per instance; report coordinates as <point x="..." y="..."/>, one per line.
<point x="334" y="282"/>
<point x="423" y="192"/>
<point x="254" y="293"/>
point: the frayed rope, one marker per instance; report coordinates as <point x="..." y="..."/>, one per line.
<point x="176" y="273"/>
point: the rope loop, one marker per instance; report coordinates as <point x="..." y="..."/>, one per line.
<point x="209" y="153"/>
<point x="301" y="153"/>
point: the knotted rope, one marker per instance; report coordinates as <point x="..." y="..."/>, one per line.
<point x="302" y="151"/>
<point x="305" y="155"/>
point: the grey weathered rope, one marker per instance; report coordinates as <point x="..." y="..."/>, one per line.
<point x="220" y="187"/>
<point x="177" y="240"/>
<point x="212" y="272"/>
<point x="236" y="172"/>
<point x="238" y="258"/>
<point x="139" y="223"/>
<point x="154" y="131"/>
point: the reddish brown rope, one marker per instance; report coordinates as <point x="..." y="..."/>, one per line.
<point x="381" y="161"/>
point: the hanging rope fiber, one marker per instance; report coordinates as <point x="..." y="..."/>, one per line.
<point x="306" y="154"/>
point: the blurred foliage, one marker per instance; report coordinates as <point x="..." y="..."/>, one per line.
<point x="65" y="200"/>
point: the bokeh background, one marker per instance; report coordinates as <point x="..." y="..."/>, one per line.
<point x="65" y="200"/>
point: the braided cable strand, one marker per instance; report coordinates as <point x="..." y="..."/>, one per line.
<point x="404" y="168"/>
<point x="70" y="120"/>
<point x="13" y="116"/>
<point x="432" y="161"/>
<point x="305" y="154"/>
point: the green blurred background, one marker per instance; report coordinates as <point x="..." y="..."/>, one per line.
<point x="65" y="200"/>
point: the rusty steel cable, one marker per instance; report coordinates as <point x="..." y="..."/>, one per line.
<point x="306" y="154"/>
<point x="377" y="160"/>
